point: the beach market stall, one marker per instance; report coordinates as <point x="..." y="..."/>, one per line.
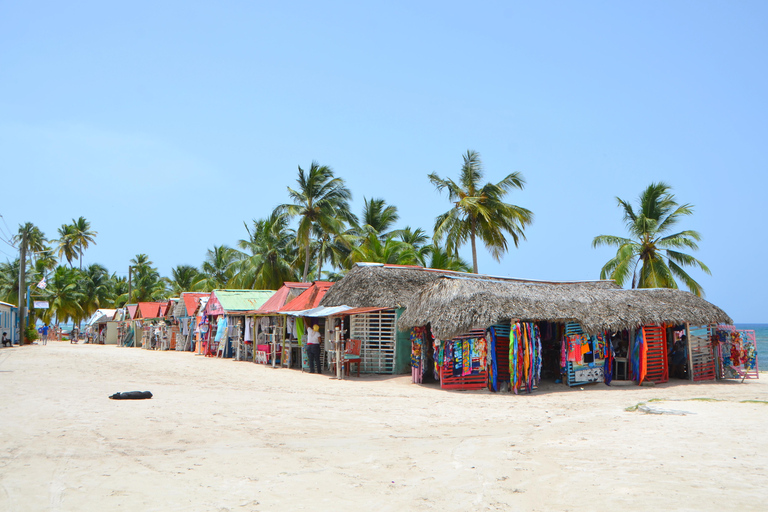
<point x="292" y="341"/>
<point x="736" y="351"/>
<point x="579" y="325"/>
<point x="225" y="313"/>
<point x="274" y="332"/>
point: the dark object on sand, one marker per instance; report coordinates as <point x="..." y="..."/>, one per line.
<point x="131" y="395"/>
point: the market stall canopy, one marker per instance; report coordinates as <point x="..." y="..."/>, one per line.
<point x="236" y="301"/>
<point x="320" y="311"/>
<point x="286" y="293"/>
<point x="453" y="306"/>
<point x="309" y="299"/>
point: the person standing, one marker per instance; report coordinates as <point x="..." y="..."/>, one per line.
<point x="45" y="334"/>
<point x="313" y="349"/>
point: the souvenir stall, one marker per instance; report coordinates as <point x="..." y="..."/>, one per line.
<point x="700" y="356"/>
<point x="737" y="352"/>
<point x="225" y="314"/>
<point x="501" y="357"/>
<point x="286" y="341"/>
<point x="184" y="317"/>
<point x="462" y="362"/>
<point x="585" y="359"/>
<point x="269" y="325"/>
<point x="649" y="357"/>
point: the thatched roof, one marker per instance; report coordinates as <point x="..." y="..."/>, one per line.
<point x="457" y="305"/>
<point x="379" y="286"/>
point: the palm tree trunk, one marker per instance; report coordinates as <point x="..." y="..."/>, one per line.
<point x="474" y="248"/>
<point x="306" y="262"/>
<point x="320" y="260"/>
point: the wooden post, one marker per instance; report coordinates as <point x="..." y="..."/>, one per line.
<point x="339" y="369"/>
<point x="22" y="289"/>
<point x="688" y="350"/>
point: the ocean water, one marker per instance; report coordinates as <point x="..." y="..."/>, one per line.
<point x="761" y="336"/>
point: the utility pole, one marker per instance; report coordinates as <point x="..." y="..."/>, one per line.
<point x="23" y="289"/>
<point x="130" y="284"/>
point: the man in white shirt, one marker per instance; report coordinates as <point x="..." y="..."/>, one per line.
<point x="313" y="349"/>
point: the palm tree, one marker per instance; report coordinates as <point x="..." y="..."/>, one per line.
<point x="480" y="212"/>
<point x="83" y="236"/>
<point x="119" y="289"/>
<point x="440" y="258"/>
<point x="418" y="240"/>
<point x="389" y="250"/>
<point x="147" y="284"/>
<point x="651" y="246"/>
<point x="36" y="240"/>
<point x="378" y="217"/>
<point x="64" y="296"/>
<point x="270" y="253"/>
<point x="67" y="243"/>
<point x="322" y="203"/>
<point x="96" y="288"/>
<point x="217" y="269"/>
<point x="9" y="281"/>
<point x="183" y="278"/>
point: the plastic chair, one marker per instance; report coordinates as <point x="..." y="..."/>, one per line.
<point x="352" y="355"/>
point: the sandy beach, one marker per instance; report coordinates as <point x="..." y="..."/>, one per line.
<point x="221" y="435"/>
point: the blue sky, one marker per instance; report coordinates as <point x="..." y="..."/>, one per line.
<point x="169" y="124"/>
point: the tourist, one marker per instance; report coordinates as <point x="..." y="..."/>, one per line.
<point x="313" y="349"/>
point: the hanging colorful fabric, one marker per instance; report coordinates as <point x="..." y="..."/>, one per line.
<point x="466" y="360"/>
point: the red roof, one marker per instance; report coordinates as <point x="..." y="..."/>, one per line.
<point x="310" y="298"/>
<point x="285" y="294"/>
<point x="132" y="308"/>
<point x="191" y="300"/>
<point x="149" y="310"/>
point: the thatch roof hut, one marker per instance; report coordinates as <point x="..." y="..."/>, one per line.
<point x="455" y="305"/>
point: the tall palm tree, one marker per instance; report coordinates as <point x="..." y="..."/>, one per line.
<point x="36" y="240"/>
<point x="83" y="236"/>
<point x="183" y="277"/>
<point x="651" y="256"/>
<point x="322" y="203"/>
<point x="479" y="211"/>
<point x="269" y="254"/>
<point x="67" y="243"/>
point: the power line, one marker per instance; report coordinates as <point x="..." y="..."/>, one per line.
<point x="6" y="226"/>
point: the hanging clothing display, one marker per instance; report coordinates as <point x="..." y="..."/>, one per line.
<point x="524" y="356"/>
<point x="221" y="327"/>
<point x="248" y="336"/>
<point x="738" y="352"/>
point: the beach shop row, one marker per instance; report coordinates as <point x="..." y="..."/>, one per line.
<point x="462" y="331"/>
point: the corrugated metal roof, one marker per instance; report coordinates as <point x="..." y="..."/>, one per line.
<point x="310" y="298"/>
<point x="242" y="300"/>
<point x="288" y="292"/>
<point x="149" y="309"/>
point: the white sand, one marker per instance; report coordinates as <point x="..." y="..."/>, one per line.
<point x="224" y="435"/>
